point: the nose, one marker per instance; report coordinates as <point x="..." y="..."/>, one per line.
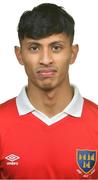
<point x="46" y="57"/>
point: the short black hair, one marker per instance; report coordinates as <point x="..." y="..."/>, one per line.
<point x="44" y="20"/>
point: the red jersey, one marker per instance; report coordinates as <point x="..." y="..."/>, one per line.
<point x="30" y="149"/>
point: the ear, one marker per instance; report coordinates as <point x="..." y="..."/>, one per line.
<point x="18" y="54"/>
<point x="74" y="52"/>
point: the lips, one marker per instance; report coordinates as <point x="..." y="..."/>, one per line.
<point x="46" y="72"/>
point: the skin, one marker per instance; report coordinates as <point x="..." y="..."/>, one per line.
<point x="46" y="63"/>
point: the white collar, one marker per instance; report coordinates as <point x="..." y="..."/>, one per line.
<point x="74" y="108"/>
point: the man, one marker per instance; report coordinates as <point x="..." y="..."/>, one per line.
<point x="49" y="131"/>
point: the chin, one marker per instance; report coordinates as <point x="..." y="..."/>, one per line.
<point x="47" y="87"/>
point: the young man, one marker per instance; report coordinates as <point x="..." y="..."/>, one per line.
<point x="49" y="131"/>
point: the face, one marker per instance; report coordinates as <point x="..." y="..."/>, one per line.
<point x="47" y="60"/>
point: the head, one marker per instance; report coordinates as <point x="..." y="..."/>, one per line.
<point x="45" y="20"/>
<point x="46" y="35"/>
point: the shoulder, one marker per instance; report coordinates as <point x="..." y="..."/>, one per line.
<point x="90" y="108"/>
<point x="90" y="104"/>
<point x="8" y="116"/>
<point x="90" y="117"/>
<point x="8" y="103"/>
<point x="8" y="107"/>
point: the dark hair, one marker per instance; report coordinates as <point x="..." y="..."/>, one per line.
<point x="44" y="20"/>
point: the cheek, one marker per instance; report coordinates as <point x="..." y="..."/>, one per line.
<point x="63" y="63"/>
<point x="29" y="66"/>
<point x="29" y="61"/>
<point x="63" y="59"/>
<point x="64" y="67"/>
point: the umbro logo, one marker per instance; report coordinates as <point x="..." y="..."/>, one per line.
<point x="12" y="158"/>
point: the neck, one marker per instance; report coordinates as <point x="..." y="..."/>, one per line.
<point x="50" y="102"/>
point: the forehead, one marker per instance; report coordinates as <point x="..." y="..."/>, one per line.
<point x="63" y="38"/>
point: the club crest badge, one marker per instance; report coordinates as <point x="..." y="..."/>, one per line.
<point x="86" y="160"/>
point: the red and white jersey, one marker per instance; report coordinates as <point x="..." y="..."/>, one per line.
<point x="30" y="149"/>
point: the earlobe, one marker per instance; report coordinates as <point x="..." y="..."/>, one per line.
<point x="75" y="49"/>
<point x="18" y="54"/>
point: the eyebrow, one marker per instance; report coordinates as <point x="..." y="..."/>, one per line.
<point x="39" y="44"/>
<point x="33" y="43"/>
<point x="57" y="42"/>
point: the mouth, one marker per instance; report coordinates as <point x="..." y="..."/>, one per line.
<point x="46" y="73"/>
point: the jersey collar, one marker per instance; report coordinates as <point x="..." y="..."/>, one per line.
<point x="74" y="108"/>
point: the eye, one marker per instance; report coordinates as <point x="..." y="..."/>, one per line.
<point x="57" y="48"/>
<point x="34" y="48"/>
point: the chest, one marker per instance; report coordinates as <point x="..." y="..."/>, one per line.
<point x="64" y="150"/>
